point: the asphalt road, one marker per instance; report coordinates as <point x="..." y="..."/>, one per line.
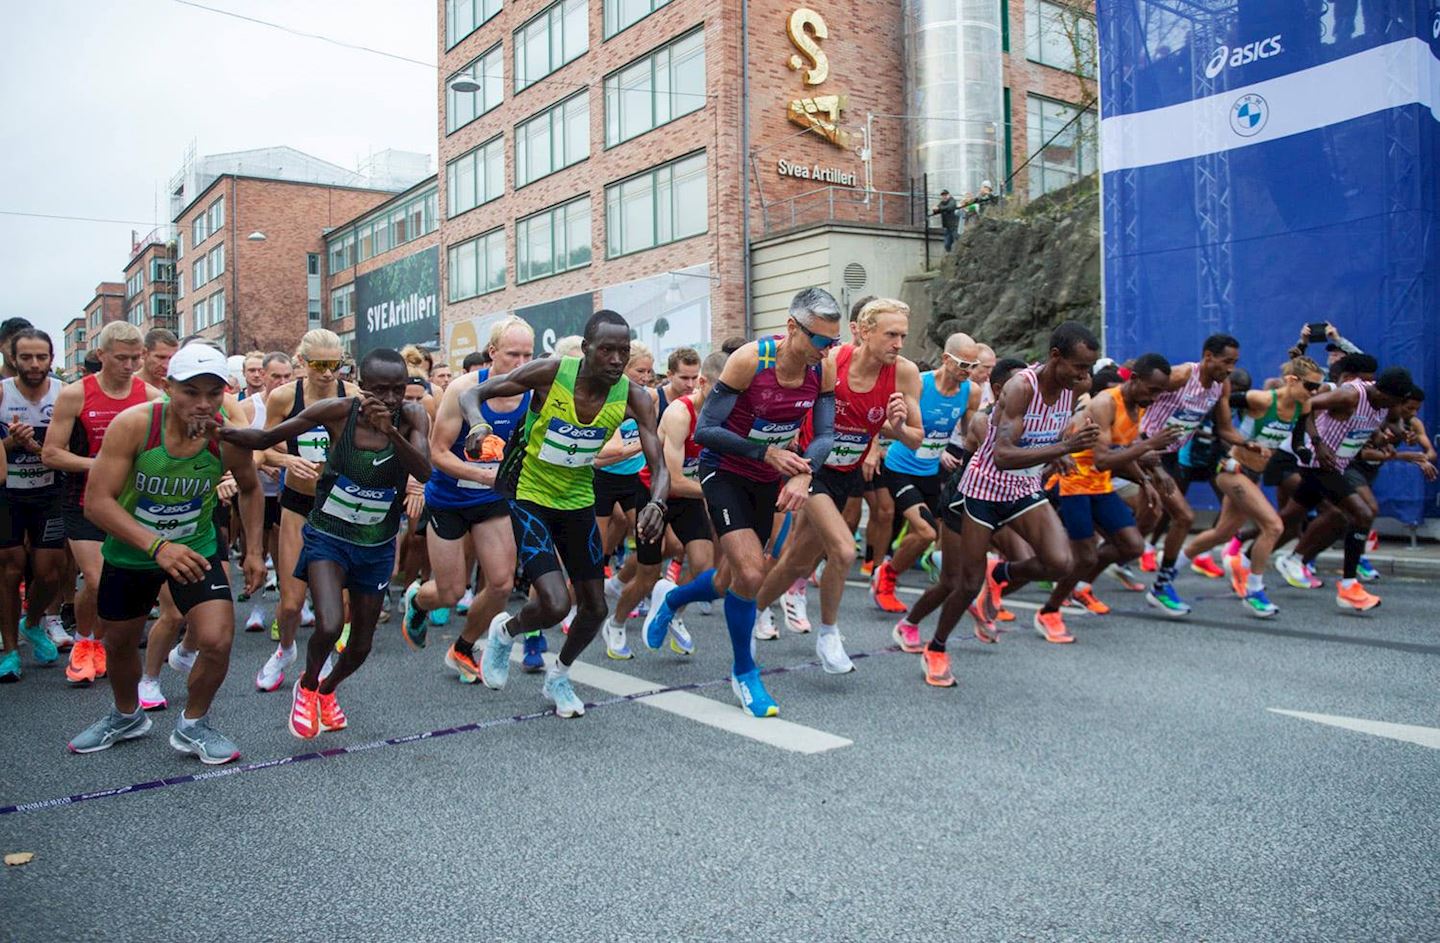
<point x="1133" y="786"/>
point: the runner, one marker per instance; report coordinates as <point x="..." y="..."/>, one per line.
<point x="152" y="492"/>
<point x="304" y="456"/>
<point x="464" y="505"/>
<point x="377" y="441"/>
<point x="160" y="346"/>
<point x="254" y="369"/>
<point x="746" y="430"/>
<point x="1002" y="483"/>
<point x="83" y="412"/>
<point x="552" y="510"/>
<point x="913" y="476"/>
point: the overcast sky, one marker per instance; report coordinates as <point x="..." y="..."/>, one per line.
<point x="101" y="99"/>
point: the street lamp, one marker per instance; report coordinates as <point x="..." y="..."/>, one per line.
<point x="465" y="84"/>
<point x="256" y="236"/>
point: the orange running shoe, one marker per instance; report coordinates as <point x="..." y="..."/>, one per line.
<point x="882" y="589"/>
<point x="1356" y="597"/>
<point x="1086" y="598"/>
<point x="1052" y="628"/>
<point x="984" y="628"/>
<point x="1004" y="615"/>
<point x="937" y="668"/>
<point x="463" y="665"/>
<point x="1147" y="561"/>
<point x="80" y="671"/>
<point x="867" y="569"/>
<point x="993" y="587"/>
<point x="97" y="658"/>
<point x="1205" y="565"/>
<point x="304" y="713"/>
<point x="331" y="716"/>
<point x="1239" y="575"/>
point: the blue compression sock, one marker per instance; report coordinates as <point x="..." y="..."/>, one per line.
<point x="740" y="621"/>
<point x="700" y="589"/>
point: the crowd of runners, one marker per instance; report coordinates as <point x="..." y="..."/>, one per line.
<point x="142" y="501"/>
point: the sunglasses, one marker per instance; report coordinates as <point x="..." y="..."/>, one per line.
<point x="323" y="366"/>
<point x="1311" y="386"/>
<point x="818" y="341"/>
<point x="962" y="364"/>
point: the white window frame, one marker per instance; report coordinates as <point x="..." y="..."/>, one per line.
<point x="201" y="271"/>
<point x="216" y="212"/>
<point x="480" y="255"/>
<point x="216" y="262"/>
<point x="217" y="307"/>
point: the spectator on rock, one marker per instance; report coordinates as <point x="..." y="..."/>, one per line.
<point x="949" y="212"/>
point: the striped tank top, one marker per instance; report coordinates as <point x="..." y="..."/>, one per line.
<point x="1347" y="436"/>
<point x="1044" y="424"/>
<point x="1183" y="409"/>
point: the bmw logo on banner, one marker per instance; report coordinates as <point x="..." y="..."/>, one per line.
<point x="1248" y="115"/>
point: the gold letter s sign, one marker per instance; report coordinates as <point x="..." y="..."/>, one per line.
<point x="809" y="48"/>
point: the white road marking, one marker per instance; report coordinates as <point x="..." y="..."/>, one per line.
<point x="1424" y="736"/>
<point x="712" y="713"/>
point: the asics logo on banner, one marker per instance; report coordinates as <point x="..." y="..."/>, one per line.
<point x="1242" y="55"/>
<point x="1248" y="115"/>
<point x="1435" y="27"/>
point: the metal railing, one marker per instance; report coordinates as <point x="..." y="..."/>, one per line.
<point x="843" y="205"/>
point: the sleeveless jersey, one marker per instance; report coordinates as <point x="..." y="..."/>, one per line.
<point x="1348" y="436"/>
<point x="768" y="413"/>
<point x="359" y="494"/>
<point x="1087" y="479"/>
<point x="1043" y="426"/>
<point x="558" y="451"/>
<point x="858" y="416"/>
<point x="443" y="491"/>
<point x="173" y="496"/>
<point x="25" y="475"/>
<point x="629" y="432"/>
<point x="690" y="465"/>
<point x="1270" y="431"/>
<point x="940" y="416"/>
<point x="313" y="445"/>
<point x="1183" y="409"/>
<point x="97" y="411"/>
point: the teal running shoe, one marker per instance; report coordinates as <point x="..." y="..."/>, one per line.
<point x="204" y="741"/>
<point x="557" y="689"/>
<point x="439" y="616"/>
<point x="754" y="699"/>
<point x="43" y="649"/>
<point x="10" y="668"/>
<point x="1167" y="600"/>
<point x="413" y="627"/>
<point x="1259" y="605"/>
<point x="495" y="663"/>
<point x="110" y="730"/>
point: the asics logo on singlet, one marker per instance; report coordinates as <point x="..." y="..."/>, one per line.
<point x="370" y="493"/>
<point x="582" y="431"/>
<point x="777" y="427"/>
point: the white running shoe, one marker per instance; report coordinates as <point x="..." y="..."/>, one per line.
<point x="1292" y="569"/>
<point x="272" y="583"/>
<point x="615" y="644"/>
<point x="181" y="660"/>
<point x="796" y="616"/>
<point x="765" y="625"/>
<point x="831" y="649"/>
<point x="272" y="675"/>
<point x="466" y="601"/>
<point x="329" y="665"/>
<point x="151" y="697"/>
<point x="55" y="631"/>
<point x="256" y="622"/>
<point x="307" y="614"/>
<point x="706" y="609"/>
<point x="613" y="588"/>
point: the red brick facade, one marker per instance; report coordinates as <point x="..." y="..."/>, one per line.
<point x="70" y="350"/>
<point x="1024" y="77"/>
<point x="107" y="305"/>
<point x="152" y="272"/>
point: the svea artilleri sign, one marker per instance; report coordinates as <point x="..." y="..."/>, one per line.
<point x="399" y="303"/>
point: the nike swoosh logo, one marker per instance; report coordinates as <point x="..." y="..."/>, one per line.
<point x="381" y="461"/>
<point x="213" y="586"/>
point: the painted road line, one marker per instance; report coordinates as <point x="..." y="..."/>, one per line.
<point x="1407" y="733"/>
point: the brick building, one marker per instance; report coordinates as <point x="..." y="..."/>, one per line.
<point x="71" y="348"/>
<point x="150" y="281"/>
<point x="107" y="305"/>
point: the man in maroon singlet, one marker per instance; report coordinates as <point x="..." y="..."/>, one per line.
<point x="83" y="411"/>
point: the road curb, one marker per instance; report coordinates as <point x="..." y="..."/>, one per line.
<point x="1390" y="564"/>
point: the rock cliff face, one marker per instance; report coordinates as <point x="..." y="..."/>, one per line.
<point x="1013" y="277"/>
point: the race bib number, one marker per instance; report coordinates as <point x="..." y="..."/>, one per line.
<point x="349" y="502"/>
<point x="25" y="471"/>
<point x="691" y="467"/>
<point x="171" y="521"/>
<point x="932" y="446"/>
<point x="470" y="484"/>
<point x="315" y="445"/>
<point x="572" y="446"/>
<point x="778" y="434"/>
<point x="1184" y="419"/>
<point x="1353" y="442"/>
<point x="847" y="449"/>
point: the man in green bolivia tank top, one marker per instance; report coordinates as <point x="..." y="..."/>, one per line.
<point x="152" y="491"/>
<point x="378" y="440"/>
<point x="578" y="403"/>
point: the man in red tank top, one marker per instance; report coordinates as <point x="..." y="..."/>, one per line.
<point x="874" y="387"/>
<point x="83" y="411"/>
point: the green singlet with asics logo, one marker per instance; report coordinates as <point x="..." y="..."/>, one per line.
<point x="359" y="494"/>
<point x="173" y="496"/>
<point x="558" y="460"/>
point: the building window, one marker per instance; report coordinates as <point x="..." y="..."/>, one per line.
<point x="342" y="252"/>
<point x="559" y="34"/>
<point x="217" y="307"/>
<point x="463" y="17"/>
<point x="553" y="241"/>
<point x="198" y="232"/>
<point x="658" y="206"/>
<point x="1061" y="37"/>
<point x="475" y="177"/>
<point x="381" y="235"/>
<point x="620" y="14"/>
<point x="162" y="270"/>
<point x="180" y="284"/>
<point x="217" y="215"/>
<point x="312" y="264"/>
<point x="199" y="316"/>
<point x="135" y="284"/>
<point x="659" y="88"/>
<point x="1070" y="156"/>
<point x="461" y="108"/>
<point x="162" y="306"/>
<point x="179" y="245"/>
<point x="200" y="273"/>
<point x="136" y="313"/>
<point x="217" y="261"/>
<point x="342" y="302"/>
<point x="476" y="266"/>
<point x="556" y="138"/>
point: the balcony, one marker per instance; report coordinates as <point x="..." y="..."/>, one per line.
<point x="843" y="205"/>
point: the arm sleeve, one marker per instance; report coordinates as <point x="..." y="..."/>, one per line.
<point x="710" y="430"/>
<point x="824" y="422"/>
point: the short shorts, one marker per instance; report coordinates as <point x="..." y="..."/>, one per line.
<point x="909" y="490"/>
<point x="546" y="537"/>
<point x="1282" y="465"/>
<point x="126" y="593"/>
<point x="996" y="514"/>
<point x="42" y="522"/>
<point x="455" y="523"/>
<point x="1083" y="513"/>
<point x="272" y="511"/>
<point x="952" y="501"/>
<point x="739" y="503"/>
<point x="80" y="527"/>
<point x="1320" y="484"/>
<point x="292" y="500"/>
<point x="687" y="517"/>
<point x="1361" y="474"/>
<point x="628" y="491"/>
<point x="839" y="486"/>
<point x="367" y="569"/>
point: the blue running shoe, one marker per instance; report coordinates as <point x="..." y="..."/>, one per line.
<point x="41" y="647"/>
<point x="657" y="626"/>
<point x="1259" y="605"/>
<point x="412" y="627"/>
<point x="439" y="616"/>
<point x="754" y="699"/>
<point x="10" y="668"/>
<point x="544" y="645"/>
<point x="1365" y="572"/>
<point x="567" y="703"/>
<point x="495" y="664"/>
<point x="680" y="641"/>
<point x="534" y="660"/>
<point x="1167" y="600"/>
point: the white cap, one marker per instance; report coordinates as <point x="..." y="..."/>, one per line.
<point x="984" y="184"/>
<point x="196" y="360"/>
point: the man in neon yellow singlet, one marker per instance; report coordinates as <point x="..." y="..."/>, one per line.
<point x="576" y="406"/>
<point x="152" y="491"/>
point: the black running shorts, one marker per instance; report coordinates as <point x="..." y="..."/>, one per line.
<point x="547" y="537"/>
<point x="126" y="593"/>
<point x="628" y="491"/>
<point x="687" y="517"/>
<point x="909" y="490"/>
<point x="839" y="486"/>
<point x="41" y="521"/>
<point x="739" y="503"/>
<point x="455" y="523"/>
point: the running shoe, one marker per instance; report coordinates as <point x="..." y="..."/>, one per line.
<point x="753" y="697"/>
<point x="765" y="625"/>
<point x="657" y="625"/>
<point x="1355" y="597"/>
<point x="10" y="668"/>
<point x="569" y="618"/>
<point x="930" y="563"/>
<point x="495" y="662"/>
<point x="613" y="589"/>
<point x="1366" y="573"/>
<point x="110" y="730"/>
<point x="907" y="636"/>
<point x="867" y="569"/>
<point x="331" y="715"/>
<point x="1315" y="581"/>
<point x="882" y="589"/>
<point x="1258" y="604"/>
<point x="1051" y="627"/>
<point x="993" y="588"/>
<point x="307" y="613"/>
<point x="55" y="629"/>
<point x="256" y="622"/>
<point x="1372" y="541"/>
<point x="466" y="601"/>
<point x="80" y="671"/>
<point x="680" y="641"/>
<point x="274" y="630"/>
<point x="936" y="666"/>
<point x="41" y="648"/>
<point x="304" y="712"/>
<point x="831" y="649"/>
<point x="1289" y="566"/>
<point x="97" y="658"/>
<point x="1148" y="563"/>
<point x="181" y="660"/>
<point x="985" y="630"/>
<point x="271" y="583"/>
<point x="796" y="608"/>
<point x="616" y="646"/>
<point x="1239" y="575"/>
<point x="413" y="628"/>
<point x="151" y="697"/>
<point x="272" y="674"/>
<point x="558" y="690"/>
<point x="533" y="659"/>
<point x="329" y="665"/>
<point x="672" y="572"/>
<point x="343" y="640"/>
<point x="1167" y="600"/>
<point x="818" y="572"/>
<point x="1205" y="565"/>
<point x="1085" y="599"/>
<point x="1004" y="615"/>
<point x="203" y="740"/>
<point x="1125" y="577"/>
<point x="464" y="665"/>
<point x="707" y="608"/>
<point x="439" y="616"/>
